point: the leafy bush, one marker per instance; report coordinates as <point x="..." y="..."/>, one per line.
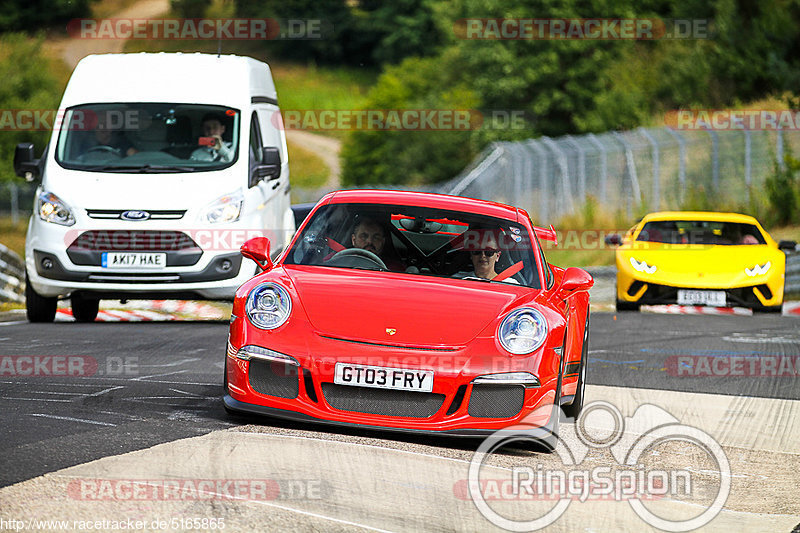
<point x="34" y="15"/>
<point x="189" y="8"/>
<point x="783" y="191"/>
<point x="27" y="85"/>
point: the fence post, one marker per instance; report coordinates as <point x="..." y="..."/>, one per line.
<point x="581" y="167"/>
<point x="714" y="159"/>
<point x="564" y="171"/>
<point x="748" y="147"/>
<point x="477" y="171"/>
<point x="544" y="204"/>
<point x="527" y="172"/>
<point x="656" y="169"/>
<point x="681" y="161"/>
<point x="14" y="190"/>
<point x="630" y="167"/>
<point x="603" y="165"/>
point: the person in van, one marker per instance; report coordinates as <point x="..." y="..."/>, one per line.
<point x="109" y="141"/>
<point x="213" y="128"/>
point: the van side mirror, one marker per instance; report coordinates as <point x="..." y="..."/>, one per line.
<point x="613" y="240"/>
<point x="574" y="280"/>
<point x="25" y="164"/>
<point x="257" y="249"/>
<point x="787" y="246"/>
<point x="270" y="166"/>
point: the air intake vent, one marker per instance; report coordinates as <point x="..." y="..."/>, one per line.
<point x="382" y="402"/>
<point x="496" y="401"/>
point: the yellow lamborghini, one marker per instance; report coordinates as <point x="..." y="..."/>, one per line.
<point x="699" y="258"/>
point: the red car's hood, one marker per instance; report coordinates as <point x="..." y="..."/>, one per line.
<point x="399" y="309"/>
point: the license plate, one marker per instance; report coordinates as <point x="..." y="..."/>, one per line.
<point x="712" y="298"/>
<point x="134" y="260"/>
<point x="383" y="377"/>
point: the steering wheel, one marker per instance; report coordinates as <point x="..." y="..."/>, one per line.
<point x="360" y="252"/>
<point x="104" y="148"/>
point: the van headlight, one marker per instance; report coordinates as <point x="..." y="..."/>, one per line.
<point x="268" y="306"/>
<point x="224" y="209"/>
<point x="52" y="209"/>
<point x="522" y="331"/>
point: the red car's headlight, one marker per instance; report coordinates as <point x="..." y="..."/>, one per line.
<point x="522" y="331"/>
<point x="268" y="305"/>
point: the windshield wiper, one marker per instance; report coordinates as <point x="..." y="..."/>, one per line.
<point x="142" y="169"/>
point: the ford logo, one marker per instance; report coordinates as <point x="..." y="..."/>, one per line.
<point x="135" y="215"/>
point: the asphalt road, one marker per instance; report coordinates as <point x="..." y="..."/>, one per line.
<point x="146" y="383"/>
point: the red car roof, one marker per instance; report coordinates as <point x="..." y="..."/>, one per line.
<point x="425" y="199"/>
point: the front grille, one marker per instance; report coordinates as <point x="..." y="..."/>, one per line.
<point x="133" y="241"/>
<point x="134" y="278"/>
<point x="740" y="296"/>
<point x="496" y="401"/>
<point x="384" y="402"/>
<point x="113" y="214"/>
<point x="273" y="378"/>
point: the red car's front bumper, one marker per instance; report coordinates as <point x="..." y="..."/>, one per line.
<point x="455" y="406"/>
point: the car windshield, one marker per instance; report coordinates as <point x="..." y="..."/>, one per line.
<point x="419" y="241"/>
<point x="700" y="232"/>
<point x="148" y="137"/>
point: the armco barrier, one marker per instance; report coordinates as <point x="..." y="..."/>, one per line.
<point x="792" y="282"/>
<point x="12" y="276"/>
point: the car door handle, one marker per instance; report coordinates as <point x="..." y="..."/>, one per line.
<point x="275" y="185"/>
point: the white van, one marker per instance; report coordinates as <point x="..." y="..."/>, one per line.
<point x="160" y="169"/>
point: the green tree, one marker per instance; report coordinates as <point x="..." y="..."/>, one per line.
<point x="27" y="85"/>
<point x="37" y="14"/>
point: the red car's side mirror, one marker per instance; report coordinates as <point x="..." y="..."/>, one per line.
<point x="257" y="249"/>
<point x="575" y="279"/>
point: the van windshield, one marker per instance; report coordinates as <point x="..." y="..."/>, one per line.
<point x="148" y="137"/>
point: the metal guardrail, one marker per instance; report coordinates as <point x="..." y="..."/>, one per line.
<point x="655" y="168"/>
<point x="792" y="281"/>
<point x="12" y="276"/>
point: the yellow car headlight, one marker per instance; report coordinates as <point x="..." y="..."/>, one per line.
<point x="758" y="270"/>
<point x="642" y="266"/>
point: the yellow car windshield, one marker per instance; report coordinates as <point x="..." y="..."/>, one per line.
<point x="700" y="232"/>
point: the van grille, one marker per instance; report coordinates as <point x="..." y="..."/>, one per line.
<point x="133" y="240"/>
<point x="113" y="214"/>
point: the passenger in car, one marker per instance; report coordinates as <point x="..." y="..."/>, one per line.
<point x="220" y="150"/>
<point x="484" y="260"/>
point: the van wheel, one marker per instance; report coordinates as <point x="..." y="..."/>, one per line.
<point x="84" y="309"/>
<point x="38" y="308"/>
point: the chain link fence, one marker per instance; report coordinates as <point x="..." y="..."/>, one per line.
<point x="647" y="169"/>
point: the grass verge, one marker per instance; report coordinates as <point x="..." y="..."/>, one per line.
<point x="13" y="235"/>
<point x="307" y="170"/>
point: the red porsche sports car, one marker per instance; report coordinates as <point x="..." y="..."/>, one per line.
<point x="410" y="311"/>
